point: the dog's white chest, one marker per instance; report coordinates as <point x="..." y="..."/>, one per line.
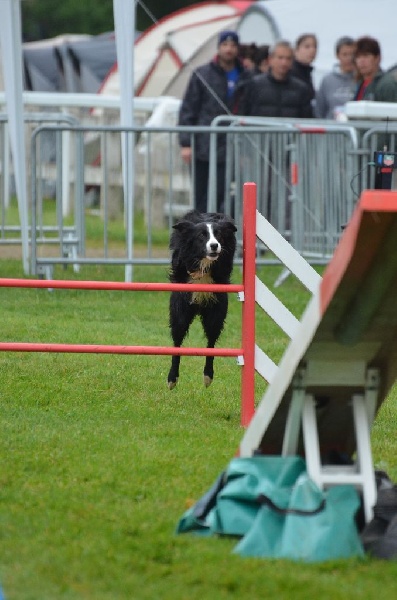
<point x="201" y="297"/>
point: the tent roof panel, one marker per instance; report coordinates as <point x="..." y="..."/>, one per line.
<point x="178" y="30"/>
<point x="187" y="41"/>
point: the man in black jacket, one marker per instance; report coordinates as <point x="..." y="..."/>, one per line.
<point x="277" y="93"/>
<point x="214" y="89"/>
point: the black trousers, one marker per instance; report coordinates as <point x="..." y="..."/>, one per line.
<point x="201" y="176"/>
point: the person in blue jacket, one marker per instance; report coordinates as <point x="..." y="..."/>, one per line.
<point x="214" y="89"/>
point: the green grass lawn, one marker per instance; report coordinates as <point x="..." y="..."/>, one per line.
<point x="99" y="460"/>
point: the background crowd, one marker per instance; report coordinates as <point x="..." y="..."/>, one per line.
<point x="276" y="81"/>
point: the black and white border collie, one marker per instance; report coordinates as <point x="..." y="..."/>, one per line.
<point x="203" y="247"/>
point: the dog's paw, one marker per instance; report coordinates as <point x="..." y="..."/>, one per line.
<point x="207" y="381"/>
<point x="172" y="384"/>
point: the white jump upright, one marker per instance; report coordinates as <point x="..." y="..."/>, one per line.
<point x="11" y="55"/>
<point x="342" y="358"/>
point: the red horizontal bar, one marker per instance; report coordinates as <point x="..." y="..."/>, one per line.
<point x="101" y="349"/>
<point x="119" y="285"/>
<point x="308" y="129"/>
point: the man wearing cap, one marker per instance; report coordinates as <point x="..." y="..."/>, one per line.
<point x="214" y="89"/>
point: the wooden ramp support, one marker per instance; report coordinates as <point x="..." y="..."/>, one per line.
<point x="341" y="361"/>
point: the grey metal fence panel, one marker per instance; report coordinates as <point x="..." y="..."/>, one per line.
<point x="161" y="192"/>
<point x="305" y="172"/>
<point x="325" y="201"/>
<point x="10" y="234"/>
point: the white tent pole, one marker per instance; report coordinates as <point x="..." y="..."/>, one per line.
<point x="11" y="47"/>
<point x="6" y="165"/>
<point x="124" y="21"/>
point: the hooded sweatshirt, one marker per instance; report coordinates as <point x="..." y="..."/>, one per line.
<point x="335" y="90"/>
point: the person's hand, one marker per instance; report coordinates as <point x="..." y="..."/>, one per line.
<point x="186" y="154"/>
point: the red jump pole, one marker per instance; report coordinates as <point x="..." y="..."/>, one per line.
<point x="248" y="321"/>
<point x="104" y="349"/>
<point x="119" y="285"/>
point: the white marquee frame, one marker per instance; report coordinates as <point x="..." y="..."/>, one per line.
<point x="11" y="51"/>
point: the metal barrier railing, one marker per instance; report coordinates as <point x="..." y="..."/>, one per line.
<point x="11" y="233"/>
<point x="305" y="200"/>
<point x="59" y="107"/>
<point x="302" y="170"/>
<point x="305" y="173"/>
<point x="94" y="163"/>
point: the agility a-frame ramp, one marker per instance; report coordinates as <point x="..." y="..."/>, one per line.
<point x="342" y="358"/>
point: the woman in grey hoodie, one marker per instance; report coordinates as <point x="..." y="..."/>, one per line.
<point x="337" y="87"/>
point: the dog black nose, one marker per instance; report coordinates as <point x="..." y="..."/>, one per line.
<point x="214" y="246"/>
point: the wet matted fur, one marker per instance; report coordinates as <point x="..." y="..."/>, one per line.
<point x="203" y="247"/>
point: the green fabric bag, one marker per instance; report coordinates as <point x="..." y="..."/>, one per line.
<point x="272" y="504"/>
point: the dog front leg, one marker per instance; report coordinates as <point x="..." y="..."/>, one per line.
<point x="173" y="374"/>
<point x="213" y="319"/>
<point x="182" y="314"/>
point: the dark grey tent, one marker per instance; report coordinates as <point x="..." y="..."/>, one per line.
<point x="68" y="63"/>
<point x="84" y="64"/>
<point x="40" y="69"/>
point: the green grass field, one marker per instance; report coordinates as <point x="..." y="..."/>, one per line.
<point x="99" y="460"/>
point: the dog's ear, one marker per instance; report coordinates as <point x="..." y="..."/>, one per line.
<point x="229" y="224"/>
<point x="182" y="226"/>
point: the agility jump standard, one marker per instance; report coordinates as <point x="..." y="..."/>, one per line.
<point x="246" y="291"/>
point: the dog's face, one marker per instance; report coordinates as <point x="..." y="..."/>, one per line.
<point x="206" y="240"/>
<point x="212" y="245"/>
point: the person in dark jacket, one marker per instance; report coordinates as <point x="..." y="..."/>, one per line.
<point x="277" y="93"/>
<point x="247" y="55"/>
<point x="262" y="59"/>
<point x="374" y="83"/>
<point x="304" y="55"/>
<point x="214" y="89"/>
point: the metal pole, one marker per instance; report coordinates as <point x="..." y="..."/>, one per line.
<point x="124" y="20"/>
